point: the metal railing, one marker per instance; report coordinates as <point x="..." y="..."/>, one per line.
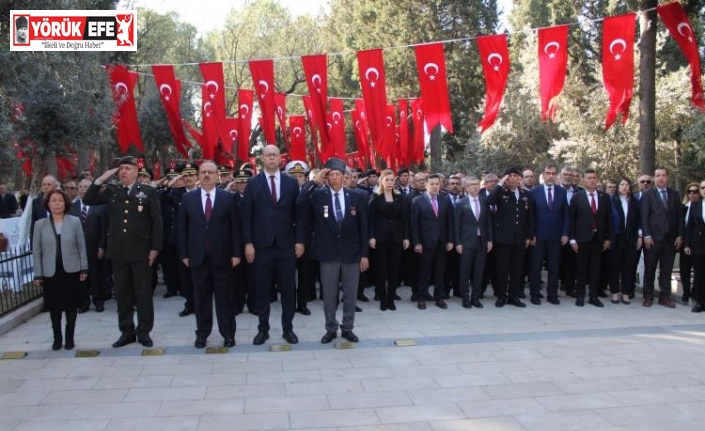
<point x="16" y="279"/>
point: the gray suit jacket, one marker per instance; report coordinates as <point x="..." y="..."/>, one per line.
<point x="73" y="247"/>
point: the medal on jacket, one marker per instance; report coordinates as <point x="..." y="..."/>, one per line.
<point x="325" y="211"/>
<point x="139" y="208"/>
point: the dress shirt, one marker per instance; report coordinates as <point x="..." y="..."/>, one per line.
<point x="341" y="198"/>
<point x="203" y="199"/>
<point x="277" y="183"/>
<point x="625" y="208"/>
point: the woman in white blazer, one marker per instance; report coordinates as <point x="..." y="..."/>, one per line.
<point x="60" y="264"/>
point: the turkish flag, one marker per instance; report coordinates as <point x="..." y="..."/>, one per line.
<point x="678" y="24"/>
<point x="122" y="83"/>
<point x="363" y="140"/>
<point x="280" y="104"/>
<point x="618" y="65"/>
<point x="403" y="132"/>
<point x="553" y="65"/>
<point x="297" y="137"/>
<point x="262" y="72"/>
<point x="495" y="65"/>
<point x="312" y="122"/>
<point x="336" y="119"/>
<point x="372" y="81"/>
<point x="232" y="125"/>
<point x="209" y="141"/>
<point x="170" y="94"/>
<point x="245" y="102"/>
<point x="416" y="153"/>
<point x="431" y="65"/>
<point x="215" y="91"/>
<point x="316" y="71"/>
<point x="390" y="132"/>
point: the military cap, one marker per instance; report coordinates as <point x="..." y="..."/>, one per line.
<point x="225" y="169"/>
<point x="21" y="22"/>
<point x="512" y="170"/>
<point x="189" y="168"/>
<point x="335" y="164"/>
<point x="243" y="174"/>
<point x="146" y="171"/>
<point x="296" y="167"/>
<point x="127" y="160"/>
<point x="370" y="172"/>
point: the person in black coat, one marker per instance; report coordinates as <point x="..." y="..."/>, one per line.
<point x="626" y="242"/>
<point x="8" y="203"/>
<point x="695" y="247"/>
<point x="388" y="230"/>
<point x="590" y="235"/>
<point x="685" y="266"/>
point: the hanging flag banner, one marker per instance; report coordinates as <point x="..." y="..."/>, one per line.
<point x="494" y="53"/>
<point x="403" y="132"/>
<point x="280" y="106"/>
<point x="553" y="66"/>
<point x="336" y="119"/>
<point x="245" y="102"/>
<point x="170" y="94"/>
<point x="122" y="83"/>
<point x="431" y="66"/>
<point x="297" y="137"/>
<point x="316" y="71"/>
<point x="417" y="143"/>
<point x="374" y="92"/>
<point x="618" y="65"/>
<point x="262" y="72"/>
<point x="678" y="24"/>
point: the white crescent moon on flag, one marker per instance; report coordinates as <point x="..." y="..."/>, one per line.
<point x="120" y="85"/>
<point x="372" y="70"/>
<point x="419" y="114"/>
<point x="618" y="42"/>
<point x="497" y="56"/>
<point x="245" y="108"/>
<point x="358" y="125"/>
<point x="162" y="87"/>
<point x="262" y="83"/>
<point x="336" y="116"/>
<point x="297" y="130"/>
<point x="549" y="44"/>
<point x="329" y="126"/>
<point x="389" y="120"/>
<point x="233" y="132"/>
<point x="211" y="82"/>
<point x="309" y="113"/>
<point x="430" y="66"/>
<point x="315" y="78"/>
<point x="206" y="106"/>
<point x="280" y="111"/>
<point x="683" y="25"/>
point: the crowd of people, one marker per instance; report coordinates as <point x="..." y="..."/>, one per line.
<point x="243" y="240"/>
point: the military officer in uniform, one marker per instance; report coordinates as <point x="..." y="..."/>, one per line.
<point x="169" y="256"/>
<point x="134" y="241"/>
<point x="243" y="276"/>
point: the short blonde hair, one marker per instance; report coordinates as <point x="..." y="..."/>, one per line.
<point x="382" y="175"/>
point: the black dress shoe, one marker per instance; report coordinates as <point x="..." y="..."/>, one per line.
<point x="554" y="301"/>
<point x="328" y="337"/>
<point x="421" y="305"/>
<point x="383" y="305"/>
<point x="304" y="310"/>
<point x="229" y="342"/>
<point x="476" y="303"/>
<point x="396" y="297"/>
<point x="145" y="340"/>
<point x="521" y="294"/>
<point x="185" y="312"/>
<point x="99" y="307"/>
<point x="602" y="294"/>
<point x="290" y="337"/>
<point x="596" y="302"/>
<point x="363" y="298"/>
<point x="501" y="302"/>
<point x="169" y="294"/>
<point x="124" y="340"/>
<point x="698" y="308"/>
<point x="200" y="342"/>
<point x="441" y="304"/>
<point x="685" y="298"/>
<point x="466" y="303"/>
<point x="348" y="335"/>
<point x="516" y="302"/>
<point x="69" y="345"/>
<point x="580" y="302"/>
<point x="428" y="297"/>
<point x="56" y="346"/>
<point x="535" y="300"/>
<point x="391" y="305"/>
<point x="260" y="338"/>
<point x="358" y="309"/>
<point x="414" y="298"/>
<point x="84" y="309"/>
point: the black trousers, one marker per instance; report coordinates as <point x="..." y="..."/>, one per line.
<point x="452" y="273"/>
<point x="661" y="254"/>
<point x="490" y="274"/>
<point x="431" y="261"/>
<point x="93" y="288"/>
<point x="211" y="281"/>
<point x="306" y="279"/>
<point x="621" y="269"/>
<point x="698" y="293"/>
<point x="133" y="288"/>
<point x="549" y="251"/>
<point x="186" y="286"/>
<point x="170" y="267"/>
<point x="587" y="268"/>
<point x="471" y="269"/>
<point x="568" y="267"/>
<point x="244" y="288"/>
<point x="685" y="269"/>
<point x="409" y="271"/>
<point x="275" y="263"/>
<point x="387" y="266"/>
<point x="509" y="261"/>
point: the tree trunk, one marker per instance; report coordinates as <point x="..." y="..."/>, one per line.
<point x="436" y="149"/>
<point x="647" y="89"/>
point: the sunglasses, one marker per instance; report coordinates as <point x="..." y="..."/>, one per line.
<point x="70" y="188"/>
<point x="693" y="192"/>
<point x="645" y="181"/>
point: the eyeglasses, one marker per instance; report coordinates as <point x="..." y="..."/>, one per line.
<point x="645" y="181"/>
<point x="693" y="192"/>
<point x="70" y="188"/>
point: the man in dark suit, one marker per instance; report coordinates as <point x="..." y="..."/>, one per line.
<point x="134" y="241"/>
<point x="590" y="234"/>
<point x="209" y="245"/>
<point x="551" y="230"/>
<point x="567" y="270"/>
<point x="410" y="268"/>
<point x="49" y="184"/>
<point x="169" y="257"/>
<point x="339" y="221"/>
<point x="94" y="220"/>
<point x="513" y="231"/>
<point x="452" y="272"/>
<point x="273" y="241"/>
<point x="472" y="223"/>
<point x="431" y="237"/>
<point x="244" y="277"/>
<point x="663" y="229"/>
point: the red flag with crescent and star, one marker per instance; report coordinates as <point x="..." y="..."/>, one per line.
<point x="245" y="102"/>
<point x="122" y="83"/>
<point x="403" y="132"/>
<point x="297" y="137"/>
<point x="678" y="24"/>
<point x="431" y="65"/>
<point x="374" y="92"/>
<point x="495" y="65"/>
<point x="553" y="66"/>
<point x="418" y="146"/>
<point x="214" y="88"/>
<point x="209" y="140"/>
<point x="312" y="122"/>
<point x="389" y="150"/>
<point x="280" y="104"/>
<point x="262" y="72"/>
<point x="336" y="118"/>
<point x="618" y="65"/>
<point x="232" y="126"/>
<point x="359" y="117"/>
<point x="316" y="71"/>
<point x="170" y="94"/>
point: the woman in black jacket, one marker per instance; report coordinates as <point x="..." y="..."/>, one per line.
<point x="692" y="194"/>
<point x="695" y="248"/>
<point x="625" y="242"/>
<point x="388" y="235"/>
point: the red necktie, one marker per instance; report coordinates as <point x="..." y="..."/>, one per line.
<point x="593" y="207"/>
<point x="209" y="207"/>
<point x="274" y="189"/>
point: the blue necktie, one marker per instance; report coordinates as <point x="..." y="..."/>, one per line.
<point x="338" y="210"/>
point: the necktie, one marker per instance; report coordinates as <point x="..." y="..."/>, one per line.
<point x="274" y="189"/>
<point x="127" y="190"/>
<point x="593" y="207"/>
<point x="477" y="214"/>
<point x="84" y="214"/>
<point x="434" y="204"/>
<point x="550" y="198"/>
<point x="209" y="207"/>
<point x="338" y="210"/>
<point x="664" y="198"/>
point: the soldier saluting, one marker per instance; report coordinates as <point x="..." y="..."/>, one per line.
<point x="134" y="241"/>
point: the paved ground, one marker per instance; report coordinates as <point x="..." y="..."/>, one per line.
<point x="540" y="368"/>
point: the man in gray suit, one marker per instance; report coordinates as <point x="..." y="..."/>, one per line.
<point x="473" y="236"/>
<point x="662" y="229"/>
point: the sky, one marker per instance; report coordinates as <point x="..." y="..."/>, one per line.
<point x="207" y="15"/>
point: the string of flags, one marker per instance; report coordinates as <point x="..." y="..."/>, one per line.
<point x="391" y="132"/>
